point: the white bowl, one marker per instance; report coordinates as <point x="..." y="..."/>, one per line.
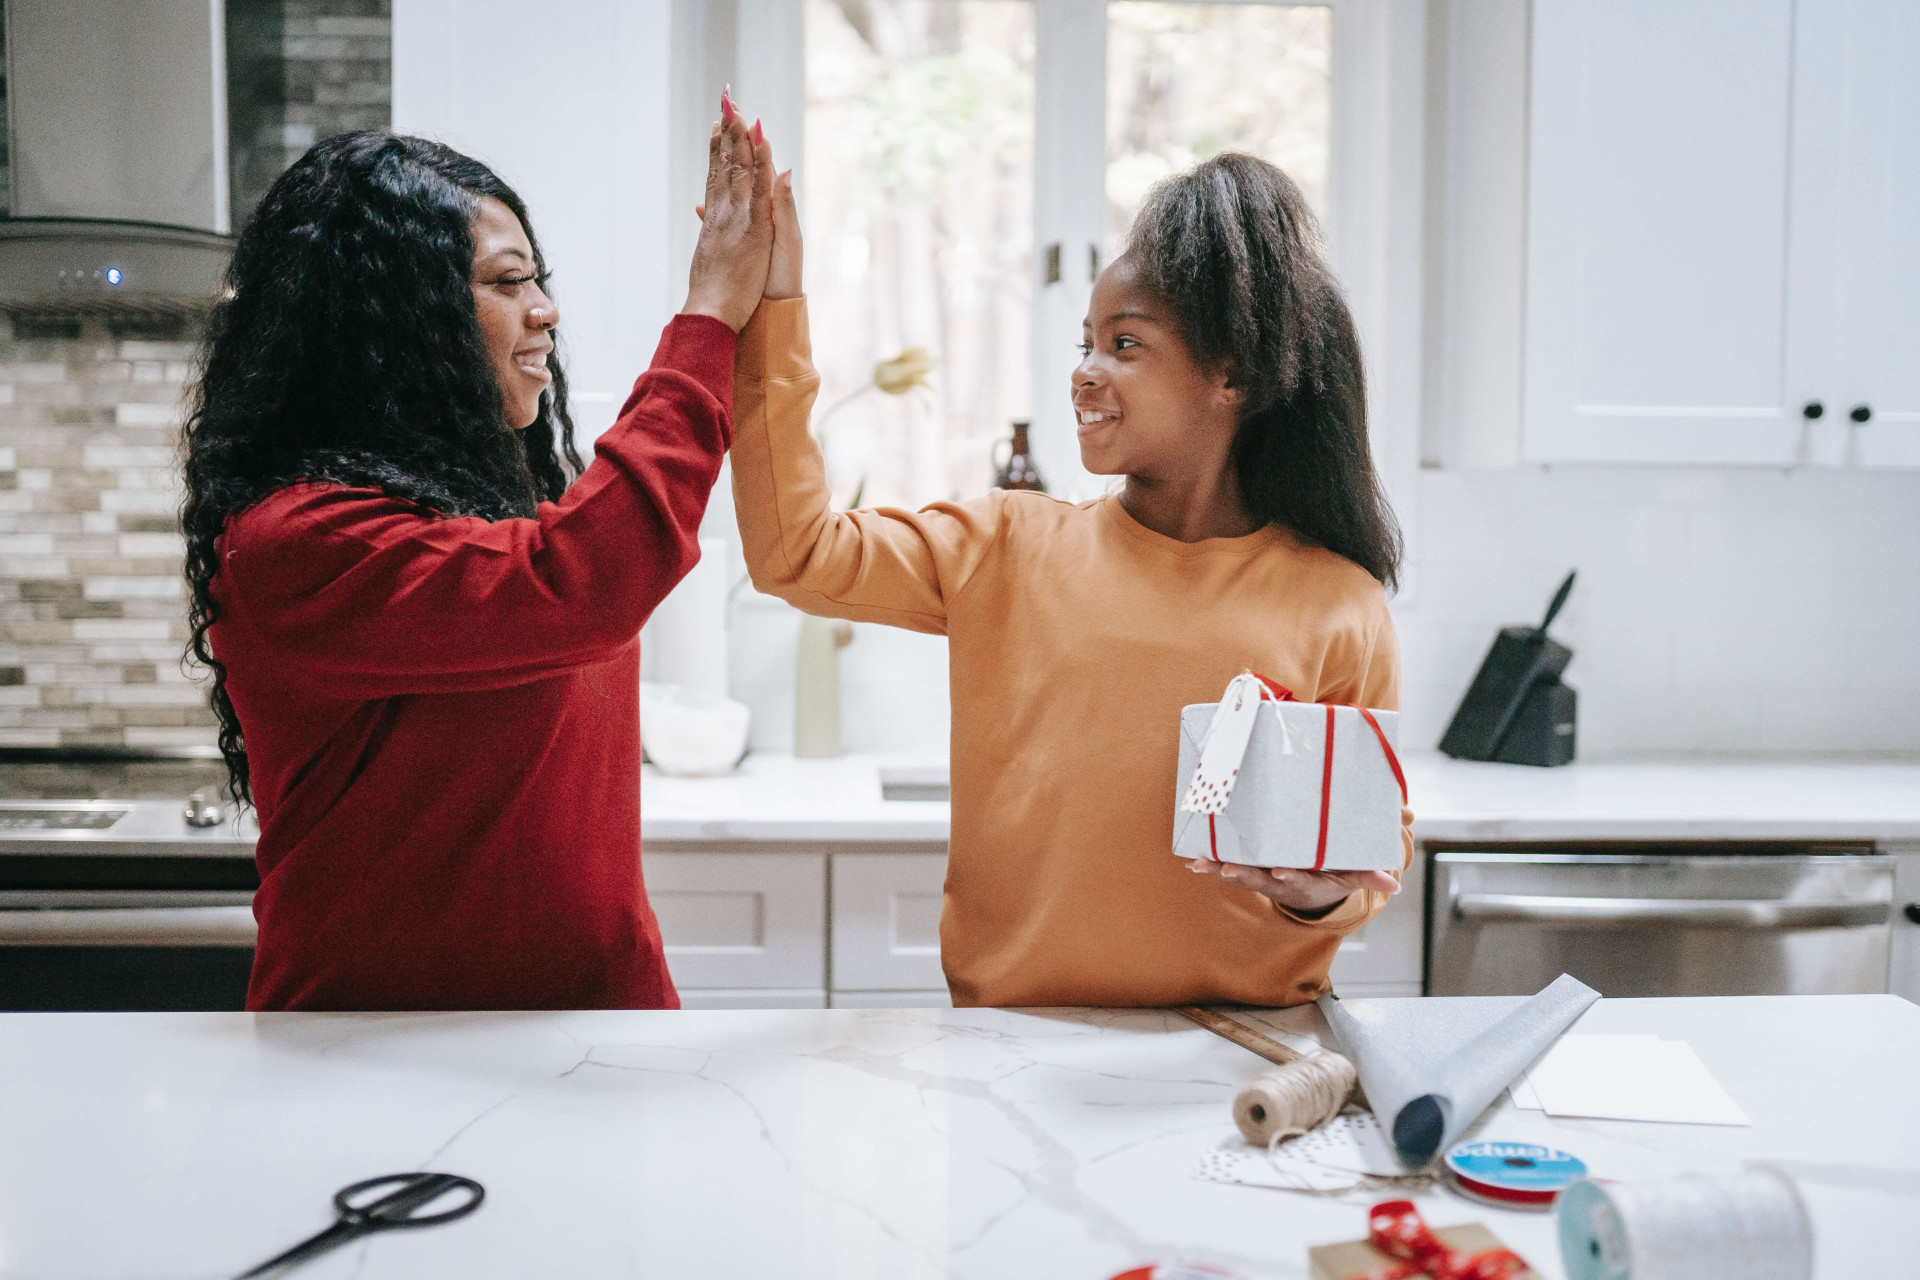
<point x="691" y="734"/>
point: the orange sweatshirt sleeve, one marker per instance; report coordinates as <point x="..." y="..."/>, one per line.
<point x="881" y="565"/>
<point x="1368" y="678"/>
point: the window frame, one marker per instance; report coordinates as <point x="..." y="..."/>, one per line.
<point x="1378" y="65"/>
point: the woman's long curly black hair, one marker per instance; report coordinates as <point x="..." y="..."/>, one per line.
<point x="346" y="348"/>
<point x="1233" y="248"/>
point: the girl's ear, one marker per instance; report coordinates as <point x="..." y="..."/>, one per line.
<point x="1228" y="392"/>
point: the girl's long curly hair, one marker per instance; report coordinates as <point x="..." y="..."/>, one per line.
<point x="346" y="348"/>
<point x="1233" y="248"/>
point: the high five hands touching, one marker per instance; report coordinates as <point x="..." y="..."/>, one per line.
<point x="751" y="247"/>
<point x="731" y="258"/>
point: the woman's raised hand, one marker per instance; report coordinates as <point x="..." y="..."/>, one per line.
<point x="731" y="258"/>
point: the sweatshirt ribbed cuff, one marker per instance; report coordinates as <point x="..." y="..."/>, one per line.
<point x="775" y="343"/>
<point x="1354" y="910"/>
<point x="702" y="348"/>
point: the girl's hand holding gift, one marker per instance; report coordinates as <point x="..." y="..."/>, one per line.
<point x="1303" y="892"/>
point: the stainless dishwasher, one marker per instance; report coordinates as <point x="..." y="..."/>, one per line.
<point x="1659" y="920"/>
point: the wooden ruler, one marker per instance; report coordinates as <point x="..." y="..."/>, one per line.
<point x="1238" y="1032"/>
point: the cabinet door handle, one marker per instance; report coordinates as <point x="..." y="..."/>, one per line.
<point x="1862" y="413"/>
<point x="1813" y="410"/>
<point x="1698" y="913"/>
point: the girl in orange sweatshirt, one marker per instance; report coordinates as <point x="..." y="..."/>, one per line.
<point x="1222" y="378"/>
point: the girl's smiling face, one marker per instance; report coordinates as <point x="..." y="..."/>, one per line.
<point x="1145" y="407"/>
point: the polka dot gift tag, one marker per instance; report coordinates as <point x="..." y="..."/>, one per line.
<point x="1225" y="747"/>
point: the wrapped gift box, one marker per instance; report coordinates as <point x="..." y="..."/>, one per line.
<point x="1359" y="1260"/>
<point x="1289" y="784"/>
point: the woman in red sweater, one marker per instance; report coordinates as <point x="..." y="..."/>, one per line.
<point x="420" y="610"/>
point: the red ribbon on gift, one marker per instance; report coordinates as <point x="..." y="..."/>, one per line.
<point x="1396" y="1229"/>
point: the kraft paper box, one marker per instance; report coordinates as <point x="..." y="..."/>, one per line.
<point x="1284" y="807"/>
<point x="1357" y="1258"/>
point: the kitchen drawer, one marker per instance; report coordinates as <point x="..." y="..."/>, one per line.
<point x="937" y="999"/>
<point x="886" y="921"/>
<point x="752" y="998"/>
<point x="1388" y="950"/>
<point x="740" y="920"/>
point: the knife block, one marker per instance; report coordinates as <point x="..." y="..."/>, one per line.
<point x="1542" y="732"/>
<point x="1516" y="710"/>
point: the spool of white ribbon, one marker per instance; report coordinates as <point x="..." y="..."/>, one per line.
<point x="1741" y="1226"/>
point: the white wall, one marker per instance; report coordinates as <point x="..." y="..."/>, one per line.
<point x="1717" y="610"/>
<point x="569" y="103"/>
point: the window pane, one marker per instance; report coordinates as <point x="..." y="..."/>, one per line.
<point x="1187" y="81"/>
<point x="919" y="211"/>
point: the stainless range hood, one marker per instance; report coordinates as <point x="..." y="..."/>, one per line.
<point x="117" y="144"/>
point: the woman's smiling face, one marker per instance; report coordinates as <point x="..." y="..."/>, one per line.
<point x="516" y="315"/>
<point x="1141" y="400"/>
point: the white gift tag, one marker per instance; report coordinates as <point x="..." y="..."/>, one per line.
<point x="1225" y="747"/>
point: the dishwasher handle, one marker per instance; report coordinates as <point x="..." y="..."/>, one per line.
<point x="129" y="927"/>
<point x="1766" y="914"/>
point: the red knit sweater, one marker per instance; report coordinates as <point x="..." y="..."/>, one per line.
<point x="442" y="719"/>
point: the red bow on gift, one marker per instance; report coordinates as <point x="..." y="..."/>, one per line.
<point x="1396" y="1229"/>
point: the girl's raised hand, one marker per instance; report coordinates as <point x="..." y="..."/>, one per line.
<point x="731" y="258"/>
<point x="783" y="276"/>
<point x="1303" y="891"/>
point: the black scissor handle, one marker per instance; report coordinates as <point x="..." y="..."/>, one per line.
<point x="413" y="1191"/>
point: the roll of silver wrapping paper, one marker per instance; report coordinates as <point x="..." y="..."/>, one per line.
<point x="1431" y="1066"/>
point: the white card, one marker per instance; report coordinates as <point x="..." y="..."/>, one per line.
<point x="1526" y="1096"/>
<point x="1631" y="1078"/>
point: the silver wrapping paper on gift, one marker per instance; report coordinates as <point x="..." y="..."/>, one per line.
<point x="1430" y="1066"/>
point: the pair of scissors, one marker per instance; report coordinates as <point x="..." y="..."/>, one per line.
<point x="397" y="1209"/>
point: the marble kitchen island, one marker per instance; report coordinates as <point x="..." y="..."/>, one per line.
<point x="827" y="1143"/>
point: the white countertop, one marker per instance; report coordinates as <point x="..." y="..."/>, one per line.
<point x="843" y="1144"/>
<point x="1668" y="799"/>
<point x="779" y="798"/>
<point x="774" y="800"/>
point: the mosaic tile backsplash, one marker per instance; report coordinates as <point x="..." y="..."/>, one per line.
<point x="92" y="601"/>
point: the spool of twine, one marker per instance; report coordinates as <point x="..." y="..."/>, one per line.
<point x="1740" y="1226"/>
<point x="1294" y="1098"/>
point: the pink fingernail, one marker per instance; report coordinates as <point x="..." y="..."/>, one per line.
<point x="758" y="137"/>
<point x="726" y="105"/>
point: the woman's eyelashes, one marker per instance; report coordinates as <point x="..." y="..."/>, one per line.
<point x="1120" y="344"/>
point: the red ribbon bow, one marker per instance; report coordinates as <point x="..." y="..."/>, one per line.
<point x="1396" y="1229"/>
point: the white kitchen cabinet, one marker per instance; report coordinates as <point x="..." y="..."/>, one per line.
<point x="1720" y="205"/>
<point x="886" y="923"/>
<point x="1857" y="145"/>
<point x="1384" y="957"/>
<point x="739" y="923"/>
